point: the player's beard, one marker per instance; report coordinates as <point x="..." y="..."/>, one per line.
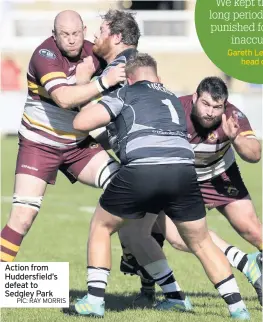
<point x="203" y="125"/>
<point x="102" y="50"/>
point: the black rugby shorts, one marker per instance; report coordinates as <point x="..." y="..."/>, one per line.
<point x="136" y="190"/>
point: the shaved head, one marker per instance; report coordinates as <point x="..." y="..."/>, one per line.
<point x="66" y="18"/>
<point x="69" y="32"/>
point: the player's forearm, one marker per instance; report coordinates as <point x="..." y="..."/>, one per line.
<point x="72" y="96"/>
<point x="249" y="149"/>
<point x="80" y="81"/>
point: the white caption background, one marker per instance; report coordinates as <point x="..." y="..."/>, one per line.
<point x="36" y="284"/>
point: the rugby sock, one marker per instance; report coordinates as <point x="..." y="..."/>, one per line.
<point x="10" y="244"/>
<point x="97" y="281"/>
<point x="229" y="291"/>
<point x="163" y="276"/>
<point x="237" y="258"/>
<point x="148" y="285"/>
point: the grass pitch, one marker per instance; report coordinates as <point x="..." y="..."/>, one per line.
<point x="60" y="234"/>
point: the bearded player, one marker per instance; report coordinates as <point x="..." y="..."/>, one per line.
<point x="215" y="129"/>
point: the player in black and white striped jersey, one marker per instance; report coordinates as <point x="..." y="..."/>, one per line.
<point x="116" y="42"/>
<point x="157" y="173"/>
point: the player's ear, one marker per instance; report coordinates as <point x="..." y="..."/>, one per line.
<point x="54" y="34"/>
<point x="129" y="81"/>
<point x="194" y="98"/>
<point x="117" y="38"/>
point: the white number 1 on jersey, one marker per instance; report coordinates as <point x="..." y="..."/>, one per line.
<point x="174" y="115"/>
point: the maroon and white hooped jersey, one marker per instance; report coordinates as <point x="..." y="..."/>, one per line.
<point x="213" y="154"/>
<point x="43" y="121"/>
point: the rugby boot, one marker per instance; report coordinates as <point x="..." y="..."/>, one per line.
<point x="254" y="273"/>
<point x="129" y="265"/>
<point x="240" y="314"/>
<point x="145" y="299"/>
<point x="177" y="305"/>
<point x="84" y="307"/>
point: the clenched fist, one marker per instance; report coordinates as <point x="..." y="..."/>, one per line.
<point x="115" y="75"/>
<point x="85" y="70"/>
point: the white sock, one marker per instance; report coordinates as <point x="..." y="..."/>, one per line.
<point x="237" y="258"/>
<point x="229" y="291"/>
<point x="97" y="281"/>
<point x="163" y="276"/>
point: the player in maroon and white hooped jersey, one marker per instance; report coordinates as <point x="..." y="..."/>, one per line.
<point x="47" y="139"/>
<point x="215" y="129"/>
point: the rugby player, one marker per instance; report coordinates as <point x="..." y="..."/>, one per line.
<point x="157" y="174"/>
<point x="214" y="127"/>
<point x="116" y="42"/>
<point x="47" y="140"/>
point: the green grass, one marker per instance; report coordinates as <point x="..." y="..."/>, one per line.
<point x="60" y="234"/>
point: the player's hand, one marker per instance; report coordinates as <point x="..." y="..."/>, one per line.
<point x="230" y="126"/>
<point x="85" y="70"/>
<point x="115" y="75"/>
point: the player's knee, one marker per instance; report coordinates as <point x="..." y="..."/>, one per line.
<point x="198" y="242"/>
<point x="253" y="234"/>
<point x="112" y="227"/>
<point x="23" y="212"/>
<point x="102" y="223"/>
<point x="102" y="228"/>
<point x="106" y="172"/>
<point x="250" y="226"/>
<point x="21" y="219"/>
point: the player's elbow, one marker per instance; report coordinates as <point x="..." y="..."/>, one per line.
<point x="77" y="124"/>
<point x="257" y="156"/>
<point x="254" y="156"/>
<point x="257" y="152"/>
<point x="252" y="153"/>
<point x="64" y="104"/>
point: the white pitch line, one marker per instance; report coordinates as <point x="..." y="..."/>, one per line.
<point x="87" y="209"/>
<point x="6" y="199"/>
